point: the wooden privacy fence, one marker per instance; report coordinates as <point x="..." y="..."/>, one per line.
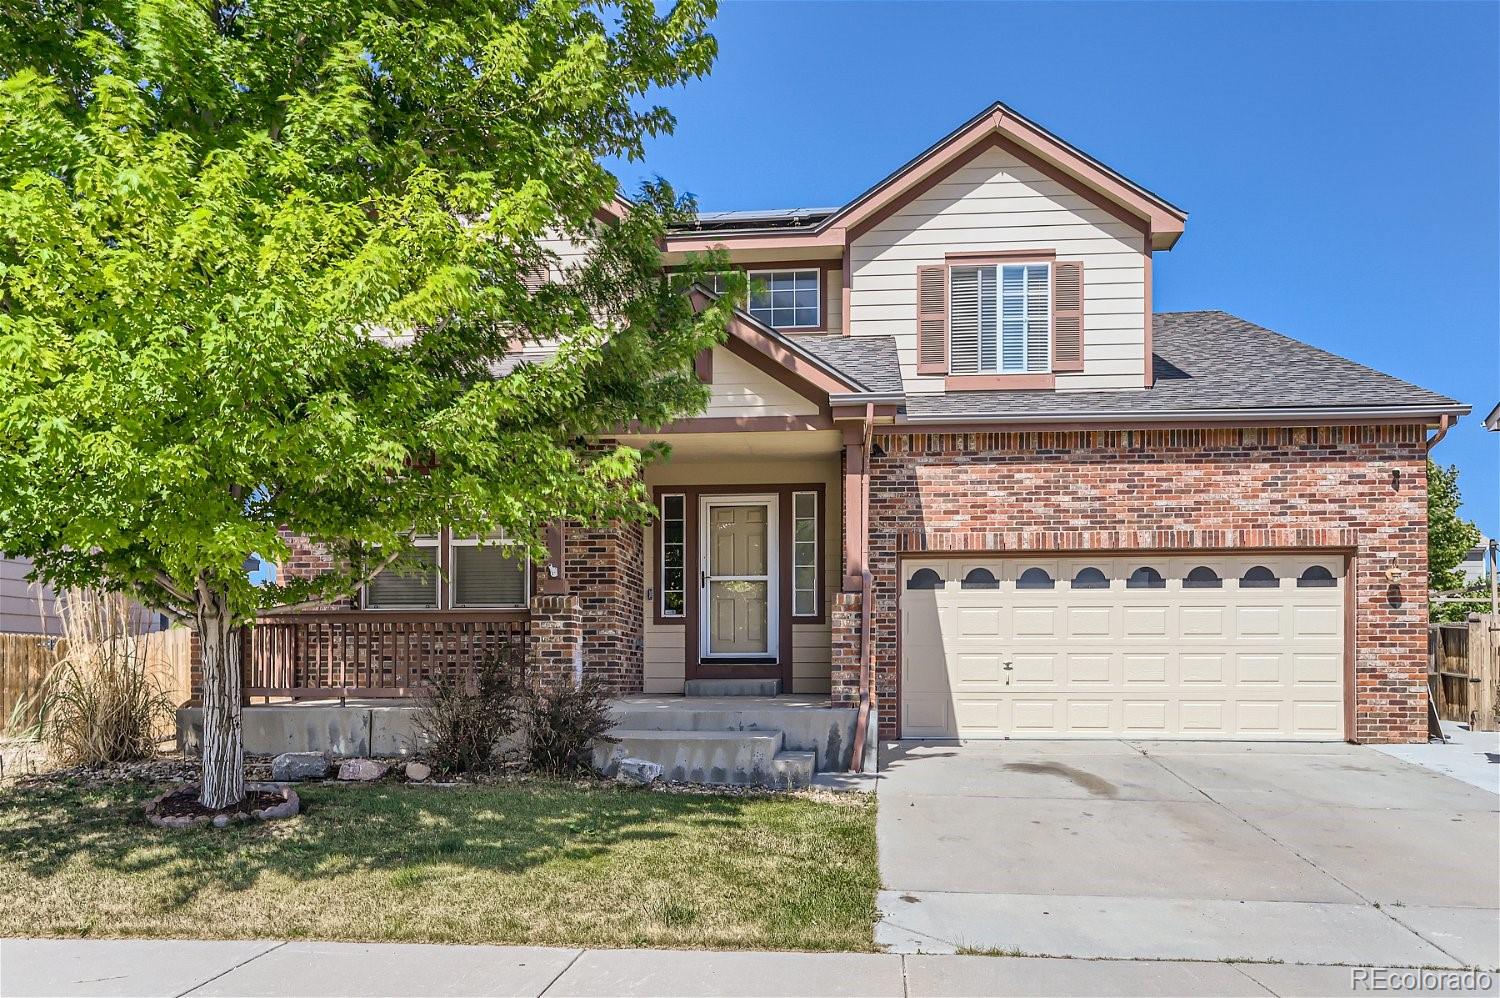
<point x="1463" y="667"/>
<point x="365" y="653"/>
<point x="27" y="660"/>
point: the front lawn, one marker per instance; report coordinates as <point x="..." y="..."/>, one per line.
<point x="540" y="863"/>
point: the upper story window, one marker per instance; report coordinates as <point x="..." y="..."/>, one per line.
<point x="782" y="299"/>
<point x="785" y="299"/>
<point x="1000" y="319"/>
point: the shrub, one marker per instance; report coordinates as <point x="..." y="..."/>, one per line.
<point x="463" y="719"/>
<point x="100" y="704"/>
<point x="563" y="725"/>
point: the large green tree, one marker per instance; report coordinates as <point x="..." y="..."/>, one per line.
<point x="261" y="264"/>
<point x="1449" y="538"/>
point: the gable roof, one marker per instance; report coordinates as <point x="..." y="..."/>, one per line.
<point x="812" y="362"/>
<point x="997" y="123"/>
<point x="1210" y="366"/>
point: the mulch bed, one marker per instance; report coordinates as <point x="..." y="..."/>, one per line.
<point x="183" y="803"/>
<point x="179" y="808"/>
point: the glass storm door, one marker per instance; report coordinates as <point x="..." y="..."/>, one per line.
<point x="739" y="566"/>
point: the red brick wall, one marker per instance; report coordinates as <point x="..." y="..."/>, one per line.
<point x="1221" y="488"/>
<point x="606" y="572"/>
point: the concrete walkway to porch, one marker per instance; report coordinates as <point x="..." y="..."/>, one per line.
<point x="79" y="968"/>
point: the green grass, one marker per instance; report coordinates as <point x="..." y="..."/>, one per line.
<point x="536" y="863"/>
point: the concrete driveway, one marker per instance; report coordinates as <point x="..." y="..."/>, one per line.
<point x="1333" y="854"/>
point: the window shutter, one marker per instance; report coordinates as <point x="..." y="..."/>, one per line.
<point x="1067" y="316"/>
<point x="535" y="277"/>
<point x="932" y="319"/>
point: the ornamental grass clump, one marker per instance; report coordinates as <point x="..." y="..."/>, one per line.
<point x="101" y="704"/>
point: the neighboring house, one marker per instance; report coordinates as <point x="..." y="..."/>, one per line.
<point x="954" y="465"/>
<point x="25" y="607"/>
<point x="1476" y="566"/>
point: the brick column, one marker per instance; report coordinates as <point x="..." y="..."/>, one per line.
<point x="844" y="623"/>
<point x="606" y="573"/>
<point x="554" y="648"/>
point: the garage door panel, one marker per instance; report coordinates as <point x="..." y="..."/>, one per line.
<point x="1202" y="667"/>
<point x="1089" y="668"/>
<point x="1203" y="622"/>
<point x="1090" y="716"/>
<point x="1036" y="621"/>
<point x="1244" y="653"/>
<point x="1144" y="621"/>
<point x="1090" y="621"/>
<point x="1144" y="668"/>
<point x="1258" y="669"/>
<point x="1259" y="621"/>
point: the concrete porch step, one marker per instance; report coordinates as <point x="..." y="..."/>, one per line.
<point x="807" y="723"/>
<point x="731" y="758"/>
<point x="732" y="687"/>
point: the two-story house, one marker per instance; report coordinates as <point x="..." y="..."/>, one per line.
<point x="957" y="472"/>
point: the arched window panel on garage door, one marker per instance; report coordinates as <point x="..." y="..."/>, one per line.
<point x="924" y="578"/>
<point x="1146" y="577"/>
<point x="1317" y="577"/>
<point x="1259" y="577"/>
<point x="1035" y="577"/>
<point x="1090" y="577"/>
<point x="1202" y="577"/>
<point x="980" y="578"/>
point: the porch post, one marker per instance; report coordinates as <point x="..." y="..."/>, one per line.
<point x="555" y="572"/>
<point x="854" y="507"/>
<point x="848" y="605"/>
<point x="554" y="645"/>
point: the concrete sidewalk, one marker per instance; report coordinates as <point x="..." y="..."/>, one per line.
<point x="78" y="968"/>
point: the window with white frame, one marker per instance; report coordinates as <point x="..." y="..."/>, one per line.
<point x="1000" y="319"/>
<point x="413" y="584"/>
<point x="785" y="299"/>
<point x="490" y="573"/>
<point x="673" y="581"/>
<point x="805" y="594"/>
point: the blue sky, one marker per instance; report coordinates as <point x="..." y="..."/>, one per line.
<point x="1340" y="162"/>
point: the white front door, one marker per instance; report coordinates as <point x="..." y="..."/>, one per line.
<point x="738" y="575"/>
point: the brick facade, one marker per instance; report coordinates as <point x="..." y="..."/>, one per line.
<point x="1359" y="488"/>
<point x="554" y="646"/>
<point x="606" y="572"/>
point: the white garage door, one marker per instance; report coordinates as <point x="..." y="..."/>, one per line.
<point x="1246" y="646"/>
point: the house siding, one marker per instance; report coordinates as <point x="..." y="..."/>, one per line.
<point x="1362" y="489"/>
<point x="997" y="202"/>
<point x="25" y="607"/>
<point x="741" y="389"/>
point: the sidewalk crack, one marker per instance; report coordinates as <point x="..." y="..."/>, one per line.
<point x="576" y="957"/>
<point x="230" y="970"/>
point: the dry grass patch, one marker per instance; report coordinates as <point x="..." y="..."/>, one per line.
<point x="534" y="863"/>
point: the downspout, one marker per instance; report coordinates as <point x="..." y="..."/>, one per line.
<point x="866" y="586"/>
<point x="1444" y="422"/>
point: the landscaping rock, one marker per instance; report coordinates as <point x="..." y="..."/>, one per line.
<point x="638" y="771"/>
<point x="361" y="770"/>
<point x="418" y="771"/>
<point x="288" y="767"/>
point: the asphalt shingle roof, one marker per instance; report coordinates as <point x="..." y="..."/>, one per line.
<point x="1207" y="362"/>
<point x="870" y="360"/>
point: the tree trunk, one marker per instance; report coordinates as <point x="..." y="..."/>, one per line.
<point x="223" y="749"/>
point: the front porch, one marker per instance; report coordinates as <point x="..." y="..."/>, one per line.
<point x="737" y="740"/>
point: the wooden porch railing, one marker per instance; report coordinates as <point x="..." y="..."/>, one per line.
<point x="375" y="653"/>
